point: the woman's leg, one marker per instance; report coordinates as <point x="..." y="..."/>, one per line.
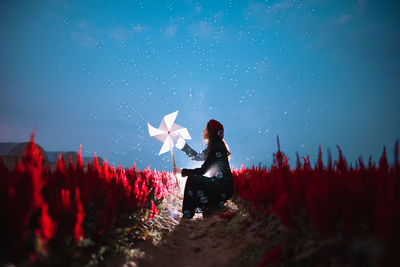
<point x="196" y="195"/>
<point x="202" y="192"/>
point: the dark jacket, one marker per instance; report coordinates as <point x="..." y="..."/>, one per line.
<point x="216" y="164"/>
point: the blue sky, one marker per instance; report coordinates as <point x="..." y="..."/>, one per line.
<point x="95" y="72"/>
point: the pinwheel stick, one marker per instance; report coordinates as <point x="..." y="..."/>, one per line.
<point x="173" y="158"/>
<point x="173" y="161"/>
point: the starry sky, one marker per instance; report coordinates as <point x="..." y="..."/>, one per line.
<point x="313" y="72"/>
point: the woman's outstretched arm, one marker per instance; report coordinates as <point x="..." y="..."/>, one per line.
<point x="192" y="154"/>
<point x="203" y="169"/>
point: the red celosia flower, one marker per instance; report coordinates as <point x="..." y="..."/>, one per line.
<point x="283" y="209"/>
<point x="47" y="226"/>
<point x="154" y="210"/>
<point x="80" y="214"/>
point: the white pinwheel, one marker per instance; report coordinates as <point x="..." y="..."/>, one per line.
<point x="170" y="133"/>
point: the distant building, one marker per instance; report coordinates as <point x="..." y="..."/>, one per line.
<point x="11" y="153"/>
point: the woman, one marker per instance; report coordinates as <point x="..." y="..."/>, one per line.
<point x="204" y="193"/>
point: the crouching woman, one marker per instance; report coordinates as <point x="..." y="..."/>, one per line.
<point x="208" y="193"/>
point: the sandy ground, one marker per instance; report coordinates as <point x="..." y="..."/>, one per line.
<point x="196" y="242"/>
<point x="201" y="241"/>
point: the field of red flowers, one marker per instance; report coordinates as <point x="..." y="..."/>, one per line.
<point x="338" y="200"/>
<point x="44" y="210"/>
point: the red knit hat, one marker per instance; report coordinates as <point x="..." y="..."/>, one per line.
<point x="216" y="128"/>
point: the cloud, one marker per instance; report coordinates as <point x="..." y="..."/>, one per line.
<point x="344" y="19"/>
<point x="83" y="39"/>
<point x="205" y="29"/>
<point x="267" y="13"/>
<point x="257" y="8"/>
<point x="85" y="34"/>
<point x="362" y="4"/>
<point x="88" y="35"/>
<point x="334" y="31"/>
<point x="282" y="5"/>
<point x="198" y="8"/>
<point x="140" y="28"/>
<point x="171" y="30"/>
<point x="119" y="34"/>
<point x="84" y="25"/>
<point x="202" y="29"/>
<point x="336" y="24"/>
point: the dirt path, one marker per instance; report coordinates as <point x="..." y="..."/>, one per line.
<point x="236" y="239"/>
<point x="196" y="242"/>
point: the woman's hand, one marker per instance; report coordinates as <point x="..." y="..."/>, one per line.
<point x="177" y="170"/>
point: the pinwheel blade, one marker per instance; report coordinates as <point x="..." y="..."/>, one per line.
<point x="154" y="131"/>
<point x="180" y="143"/>
<point x="174" y="138"/>
<point x="167" y="146"/>
<point x="163" y="126"/>
<point x="179" y="130"/>
<point x="184" y="133"/>
<point x="170" y="134"/>
<point x="170" y="119"/>
<point x="161" y="137"/>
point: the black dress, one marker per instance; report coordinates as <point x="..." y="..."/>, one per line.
<point x="202" y="192"/>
